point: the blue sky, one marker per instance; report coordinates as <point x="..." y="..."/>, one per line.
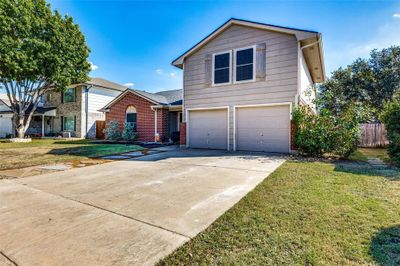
<point x="135" y="42"/>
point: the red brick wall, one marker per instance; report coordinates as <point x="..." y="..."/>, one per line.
<point x="292" y="135"/>
<point x="163" y="124"/>
<point x="183" y="133"/>
<point x="144" y="117"/>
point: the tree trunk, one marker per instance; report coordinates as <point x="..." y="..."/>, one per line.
<point x="20" y="126"/>
<point x="21" y="132"/>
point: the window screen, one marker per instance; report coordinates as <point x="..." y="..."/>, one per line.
<point x="69" y="95"/>
<point x="221" y="68"/>
<point x="244" y="64"/>
<point x="69" y="123"/>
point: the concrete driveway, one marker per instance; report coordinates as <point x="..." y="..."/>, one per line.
<point x="124" y="212"/>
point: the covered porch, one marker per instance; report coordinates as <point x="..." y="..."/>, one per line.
<point x="42" y="124"/>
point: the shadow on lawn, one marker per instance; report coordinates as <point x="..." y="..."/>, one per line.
<point x="363" y="168"/>
<point x="385" y="246"/>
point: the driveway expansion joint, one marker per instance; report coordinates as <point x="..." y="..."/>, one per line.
<point x="109" y="211"/>
<point x="8" y="258"/>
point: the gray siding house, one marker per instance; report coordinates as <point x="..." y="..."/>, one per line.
<point x="241" y="82"/>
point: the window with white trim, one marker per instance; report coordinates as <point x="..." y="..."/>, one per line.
<point x="222" y="68"/>
<point x="244" y="64"/>
<point x="69" y="123"/>
<point x="130" y="117"/>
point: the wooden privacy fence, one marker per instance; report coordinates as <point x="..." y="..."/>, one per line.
<point x="100" y="126"/>
<point x="373" y="135"/>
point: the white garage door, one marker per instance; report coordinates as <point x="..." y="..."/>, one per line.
<point x="5" y="125"/>
<point x="208" y="129"/>
<point x="263" y="128"/>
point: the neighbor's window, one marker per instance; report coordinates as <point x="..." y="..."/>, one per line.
<point x="69" y="95"/>
<point x="222" y="71"/>
<point x="69" y="123"/>
<point x="131" y="116"/>
<point x="244" y="64"/>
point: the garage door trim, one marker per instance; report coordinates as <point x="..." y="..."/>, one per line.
<point x="205" y="109"/>
<point x="235" y="107"/>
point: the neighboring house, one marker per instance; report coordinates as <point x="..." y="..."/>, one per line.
<point x="241" y="82"/>
<point x="6" y="125"/>
<point x="156" y="116"/>
<point x="73" y="111"/>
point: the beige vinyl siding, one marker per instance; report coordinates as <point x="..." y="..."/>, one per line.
<point x="281" y="80"/>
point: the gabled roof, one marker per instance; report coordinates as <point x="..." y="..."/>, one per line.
<point x="4" y="99"/>
<point x="171" y="97"/>
<point x="305" y="37"/>
<point x="103" y="83"/>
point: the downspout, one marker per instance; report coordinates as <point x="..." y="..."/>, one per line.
<point x="155" y="122"/>
<point x="87" y="109"/>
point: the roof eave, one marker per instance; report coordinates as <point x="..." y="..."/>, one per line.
<point x="300" y="35"/>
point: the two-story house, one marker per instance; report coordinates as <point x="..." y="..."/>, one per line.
<point x="73" y="112"/>
<point x="241" y="82"/>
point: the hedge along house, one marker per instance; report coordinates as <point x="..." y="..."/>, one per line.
<point x="156" y="116"/>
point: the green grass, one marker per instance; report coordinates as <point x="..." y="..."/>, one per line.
<point x="305" y="213"/>
<point x="48" y="151"/>
<point x="362" y="154"/>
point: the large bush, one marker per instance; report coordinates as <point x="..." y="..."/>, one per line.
<point x="129" y="133"/>
<point x="112" y="131"/>
<point x="317" y="134"/>
<point x="391" y="118"/>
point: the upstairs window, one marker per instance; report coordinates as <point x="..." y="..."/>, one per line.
<point x="69" y="95"/>
<point x="244" y="64"/>
<point x="222" y="68"/>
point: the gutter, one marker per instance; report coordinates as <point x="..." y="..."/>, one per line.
<point x="87" y="108"/>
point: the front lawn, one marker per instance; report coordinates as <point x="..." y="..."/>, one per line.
<point x="305" y="213"/>
<point x="362" y="154"/>
<point x="49" y="151"/>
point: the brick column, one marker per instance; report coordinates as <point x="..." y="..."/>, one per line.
<point x="182" y="131"/>
<point x="292" y="135"/>
<point x="163" y="124"/>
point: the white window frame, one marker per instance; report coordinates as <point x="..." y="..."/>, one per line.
<point x="235" y="65"/>
<point x="230" y="68"/>
<point x="74" y="126"/>
<point x="74" y="101"/>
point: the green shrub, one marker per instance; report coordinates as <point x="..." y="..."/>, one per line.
<point x="112" y="131"/>
<point x="317" y="134"/>
<point x="129" y="133"/>
<point x="390" y="116"/>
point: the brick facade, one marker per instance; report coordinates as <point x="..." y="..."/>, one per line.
<point x="163" y="124"/>
<point x="292" y="136"/>
<point x="182" y="128"/>
<point x="144" y="117"/>
<point x="73" y="109"/>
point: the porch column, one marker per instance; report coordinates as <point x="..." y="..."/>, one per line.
<point x="42" y="126"/>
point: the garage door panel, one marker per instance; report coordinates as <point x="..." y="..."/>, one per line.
<point x="263" y="128"/>
<point x="208" y="129"/>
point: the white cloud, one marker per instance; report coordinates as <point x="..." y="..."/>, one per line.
<point x="172" y="74"/>
<point x="384" y="36"/>
<point x="93" y="67"/>
<point x="396" y="15"/>
<point x="159" y="71"/>
<point x="129" y="84"/>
